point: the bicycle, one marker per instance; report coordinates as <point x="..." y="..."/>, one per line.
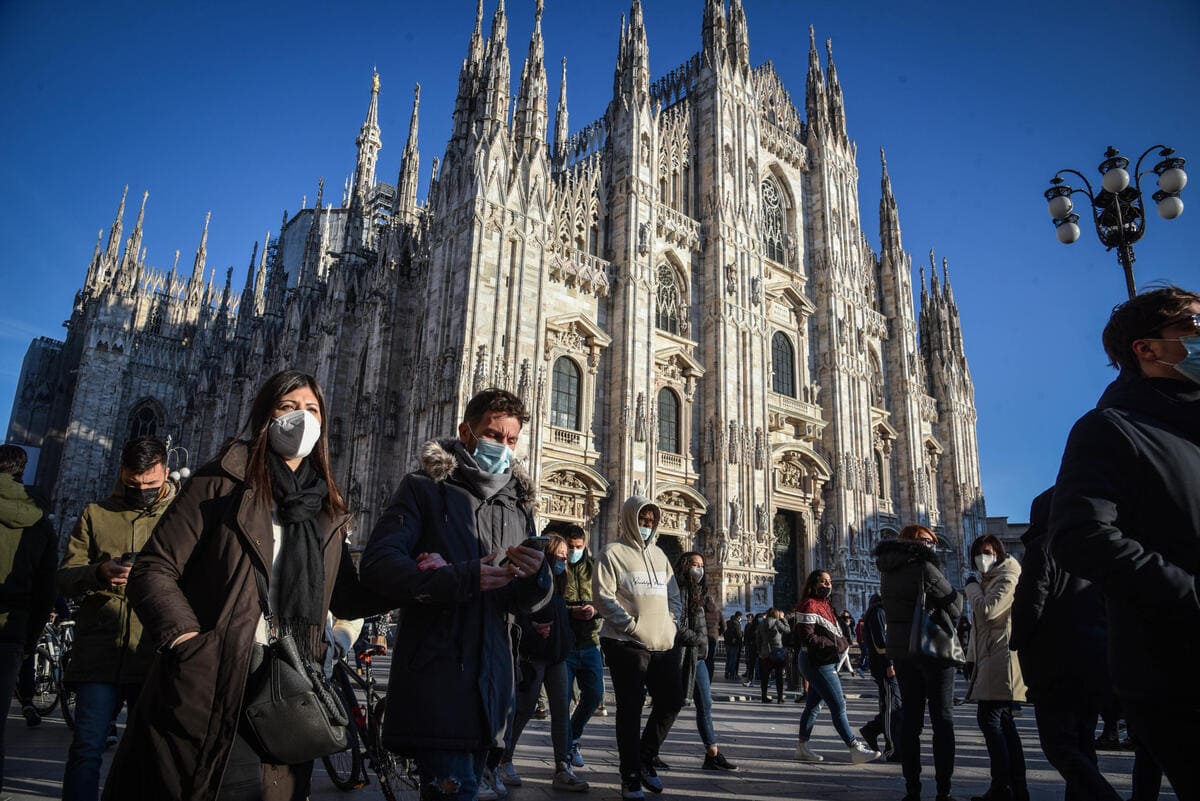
<point x="398" y="779"/>
<point x="49" y="665"/>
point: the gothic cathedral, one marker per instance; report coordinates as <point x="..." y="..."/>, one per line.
<point x="681" y="291"/>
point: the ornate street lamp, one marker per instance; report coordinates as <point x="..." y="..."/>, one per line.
<point x="1117" y="208"/>
<point x="181" y="471"/>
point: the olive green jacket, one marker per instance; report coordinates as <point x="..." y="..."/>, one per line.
<point x="27" y="560"/>
<point x="108" y="635"/>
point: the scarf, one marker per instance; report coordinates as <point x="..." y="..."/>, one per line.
<point x="299" y="496"/>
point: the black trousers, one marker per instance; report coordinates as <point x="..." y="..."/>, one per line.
<point x="889" y="720"/>
<point x="634" y="671"/>
<point x="1005" y="753"/>
<point x="767" y="665"/>
<point x="1157" y="726"/>
<point x="922" y="682"/>
<point x="1067" y="728"/>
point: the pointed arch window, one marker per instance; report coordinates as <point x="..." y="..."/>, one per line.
<point x="783" y="365"/>
<point x="670" y="309"/>
<point x="774" y="230"/>
<point x="144" y="421"/>
<point x="668" y="421"/>
<point x="564" y="394"/>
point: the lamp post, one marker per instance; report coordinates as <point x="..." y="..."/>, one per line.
<point x="180" y="471"/>
<point x="1117" y="208"/>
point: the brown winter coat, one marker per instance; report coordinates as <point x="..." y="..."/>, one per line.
<point x="197" y="574"/>
<point x="108" y="635"/>
<point x="997" y="673"/>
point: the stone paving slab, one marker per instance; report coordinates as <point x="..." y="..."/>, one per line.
<point x="758" y="737"/>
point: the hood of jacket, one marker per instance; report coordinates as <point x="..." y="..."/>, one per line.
<point x="1008" y="566"/>
<point x="1172" y="401"/>
<point x="892" y="555"/>
<point x="17" y="509"/>
<point x="629" y="522"/>
<point x="441" y="457"/>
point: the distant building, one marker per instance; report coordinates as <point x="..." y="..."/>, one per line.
<point x="681" y="290"/>
<point x="1008" y="533"/>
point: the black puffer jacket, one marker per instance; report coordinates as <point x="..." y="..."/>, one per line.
<point x="451" y="682"/>
<point x="1059" y="629"/>
<point x="906" y="567"/>
<point x="552" y="649"/>
<point x="1126" y="516"/>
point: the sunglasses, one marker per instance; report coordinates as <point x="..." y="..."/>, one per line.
<point x="1192" y="320"/>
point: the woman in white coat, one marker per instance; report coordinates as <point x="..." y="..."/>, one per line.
<point x="996" y="679"/>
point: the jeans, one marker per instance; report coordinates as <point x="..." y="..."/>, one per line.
<point x="823" y="686"/>
<point x="774" y="663"/>
<point x="10" y="666"/>
<point x="1005" y="753"/>
<point x="922" y="681"/>
<point x="95" y="705"/>
<point x="450" y="775"/>
<point x="733" y="655"/>
<point x="1156" y="725"/>
<point x="888" y="720"/>
<point x="585" y="666"/>
<point x="1066" y="726"/>
<point x="702" y="696"/>
<point x="635" y="670"/>
<point x="531" y="675"/>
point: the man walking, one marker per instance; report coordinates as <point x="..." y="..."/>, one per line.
<point x="28" y="557"/>
<point x="448" y="552"/>
<point x="584" y="663"/>
<point x="733" y="646"/>
<point x="1126" y="517"/>
<point x="874" y="644"/>
<point x="109" y="661"/>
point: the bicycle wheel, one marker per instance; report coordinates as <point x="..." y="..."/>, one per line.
<point x="45" y="684"/>
<point x="345" y="768"/>
<point x="67" y="696"/>
<point x="398" y="777"/>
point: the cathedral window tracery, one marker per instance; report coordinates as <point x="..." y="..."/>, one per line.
<point x="145" y="420"/>
<point x="564" y="394"/>
<point x="670" y="309"/>
<point x="668" y="421"/>
<point x="774" y="229"/>
<point x="783" y="365"/>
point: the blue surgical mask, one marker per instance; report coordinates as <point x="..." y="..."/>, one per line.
<point x="1190" y="366"/>
<point x="492" y="456"/>
<point x="645" y="531"/>
<point x="559" y="567"/>
<point x="575" y="556"/>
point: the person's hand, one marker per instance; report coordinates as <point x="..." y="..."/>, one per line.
<point x="891" y="671"/>
<point x="543" y="629"/>
<point x="430" y="561"/>
<point x="112" y="573"/>
<point x="524" y="562"/>
<point x="585" y="612"/>
<point x="492" y="577"/>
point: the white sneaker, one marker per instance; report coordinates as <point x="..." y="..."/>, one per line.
<point x="507" y="776"/>
<point x="565" y="779"/>
<point x="806" y="754"/>
<point x="487" y="792"/>
<point x="576" y="757"/>
<point x="860" y="753"/>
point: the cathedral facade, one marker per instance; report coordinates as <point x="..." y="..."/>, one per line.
<point x="681" y="291"/>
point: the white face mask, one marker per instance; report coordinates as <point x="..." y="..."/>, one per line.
<point x="293" y="435"/>
<point x="697" y="573"/>
<point x="984" y="562"/>
<point x="645" y="531"/>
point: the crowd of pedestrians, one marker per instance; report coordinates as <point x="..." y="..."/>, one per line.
<point x="186" y="595"/>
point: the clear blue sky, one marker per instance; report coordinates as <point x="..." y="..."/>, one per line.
<point x="240" y="107"/>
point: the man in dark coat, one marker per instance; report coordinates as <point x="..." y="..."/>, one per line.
<point x="585" y="665"/>
<point x="448" y="552"/>
<point x="1060" y="634"/>
<point x="1126" y="517"/>
<point x="733" y="646"/>
<point x="883" y="671"/>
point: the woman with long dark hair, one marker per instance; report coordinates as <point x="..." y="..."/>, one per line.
<point x="910" y="566"/>
<point x="821" y="642"/>
<point x="266" y="509"/>
<point x="697" y="607"/>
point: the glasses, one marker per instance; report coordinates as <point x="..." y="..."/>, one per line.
<point x="1189" y="320"/>
<point x="926" y="540"/>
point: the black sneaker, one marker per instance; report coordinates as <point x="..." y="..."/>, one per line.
<point x="656" y="762"/>
<point x="718" y="761"/>
<point x="650" y="779"/>
<point x="631" y="787"/>
<point x="32" y="716"/>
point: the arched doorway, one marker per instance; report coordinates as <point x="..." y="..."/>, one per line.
<point x="788" y="557"/>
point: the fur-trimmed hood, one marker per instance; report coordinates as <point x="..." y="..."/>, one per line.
<point x="891" y="555"/>
<point x="441" y="457"/>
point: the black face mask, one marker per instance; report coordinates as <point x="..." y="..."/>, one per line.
<point x="141" y="498"/>
<point x="822" y="592"/>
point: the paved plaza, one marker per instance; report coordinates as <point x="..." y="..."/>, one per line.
<point x="758" y="737"/>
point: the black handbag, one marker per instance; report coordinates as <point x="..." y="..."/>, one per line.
<point x="933" y="636"/>
<point x="292" y="712"/>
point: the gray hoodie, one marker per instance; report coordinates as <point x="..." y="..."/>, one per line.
<point x="634" y="586"/>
